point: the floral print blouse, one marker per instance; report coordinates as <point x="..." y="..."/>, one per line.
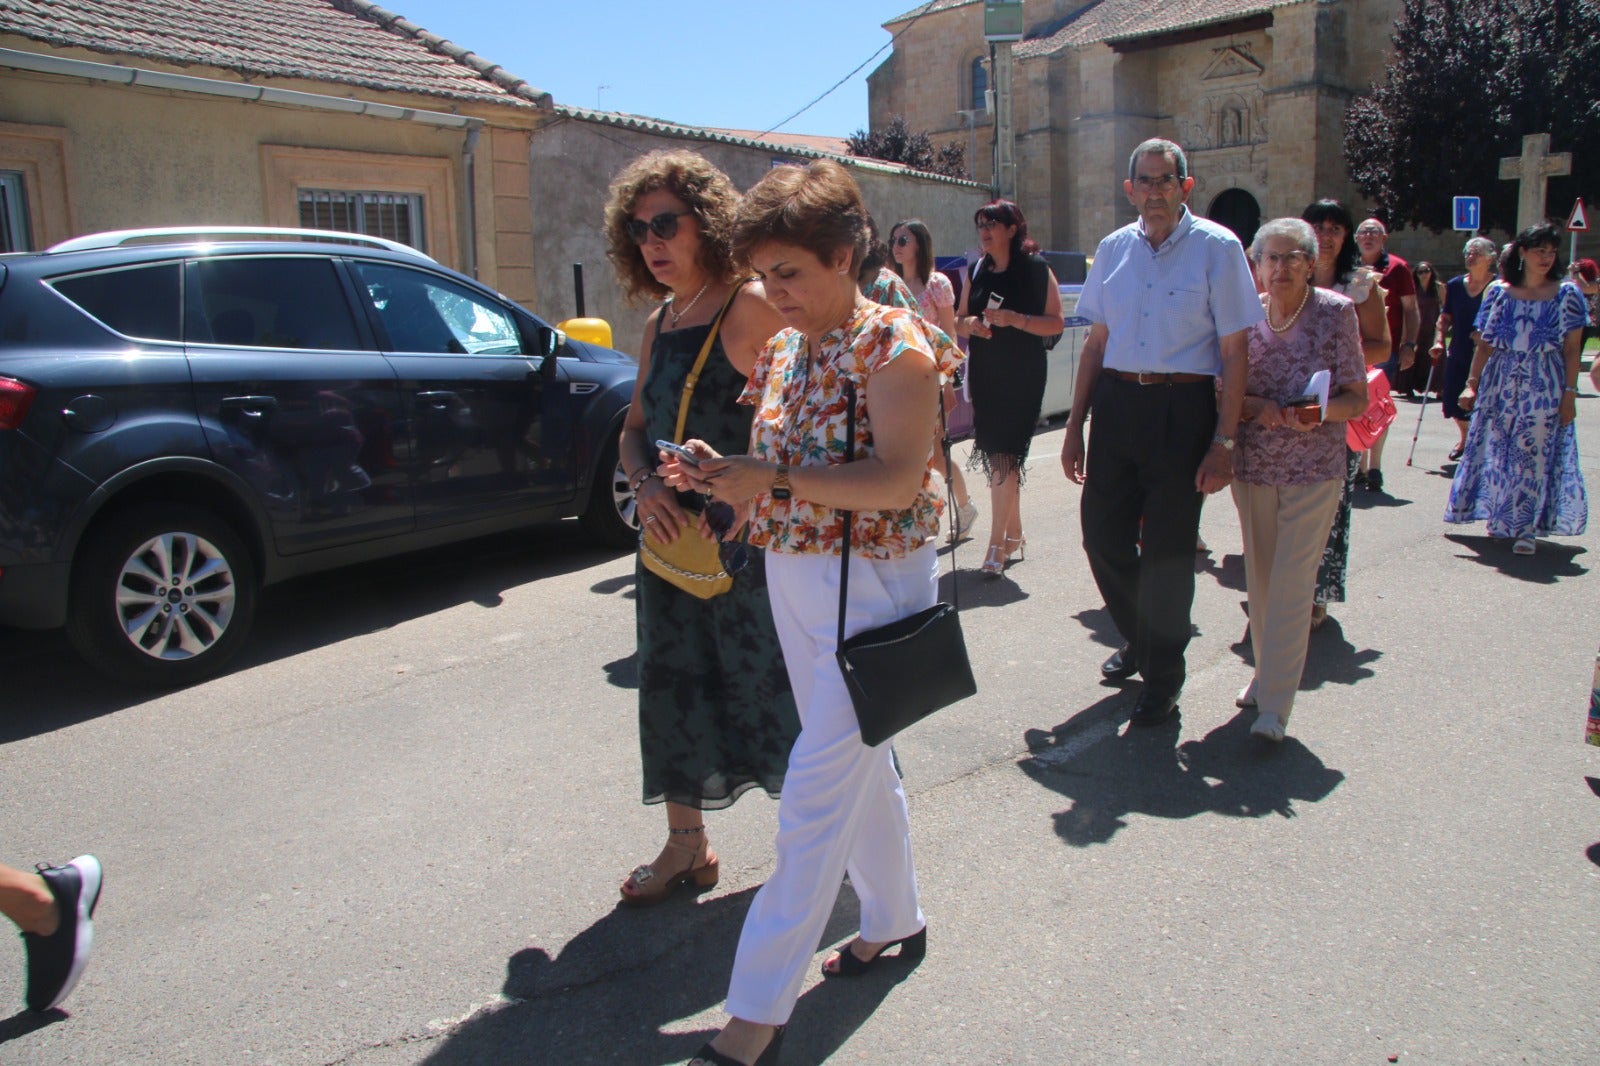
<point x="800" y="420"/>
<point x="936" y="293"/>
<point x="890" y="289"/>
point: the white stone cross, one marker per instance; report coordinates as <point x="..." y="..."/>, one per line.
<point x="1530" y="170"/>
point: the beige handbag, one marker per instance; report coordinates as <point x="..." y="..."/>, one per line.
<point x="693" y="562"/>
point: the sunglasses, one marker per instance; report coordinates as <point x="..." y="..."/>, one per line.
<point x="902" y="240"/>
<point x="989" y="223"/>
<point x="733" y="556"/>
<point x="664" y="225"/>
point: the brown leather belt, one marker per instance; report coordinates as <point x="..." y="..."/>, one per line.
<point x="1145" y="377"/>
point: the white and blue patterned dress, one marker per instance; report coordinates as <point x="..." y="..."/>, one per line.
<point x="1520" y="468"/>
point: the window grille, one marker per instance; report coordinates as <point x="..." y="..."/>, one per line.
<point x="397" y="216"/>
<point x="14" y="232"/>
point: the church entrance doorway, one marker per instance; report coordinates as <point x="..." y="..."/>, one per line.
<point x="1239" y="211"/>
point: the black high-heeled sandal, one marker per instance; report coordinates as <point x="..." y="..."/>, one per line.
<point x="912" y="949"/>
<point x="768" y="1056"/>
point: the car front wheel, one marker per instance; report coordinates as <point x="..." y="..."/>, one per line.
<point x="612" y="516"/>
<point x="162" y="596"/>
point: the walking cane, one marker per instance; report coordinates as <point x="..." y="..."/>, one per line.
<point x="1437" y="363"/>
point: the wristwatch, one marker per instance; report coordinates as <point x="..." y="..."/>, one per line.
<point x="780" y="483"/>
<point x="1226" y="442"/>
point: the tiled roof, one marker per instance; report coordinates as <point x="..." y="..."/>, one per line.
<point x="1124" y="20"/>
<point x="928" y="9"/>
<point x="826" y="145"/>
<point x="788" y="144"/>
<point x="349" y="42"/>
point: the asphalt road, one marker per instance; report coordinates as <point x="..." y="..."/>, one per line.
<point x="393" y="835"/>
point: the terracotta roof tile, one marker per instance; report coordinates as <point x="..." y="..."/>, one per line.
<point x="348" y="42"/>
<point x="1122" y="20"/>
<point x="791" y="144"/>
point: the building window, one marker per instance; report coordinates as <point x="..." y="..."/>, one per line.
<point x="14" y="235"/>
<point x="980" y="84"/>
<point x="397" y="216"/>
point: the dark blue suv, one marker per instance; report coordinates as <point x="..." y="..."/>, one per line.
<point x="186" y="416"/>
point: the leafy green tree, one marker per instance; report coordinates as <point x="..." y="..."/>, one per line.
<point x="1468" y="79"/>
<point x="895" y="143"/>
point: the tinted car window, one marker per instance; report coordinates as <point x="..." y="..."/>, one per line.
<point x="139" y="302"/>
<point x="271" y="302"/>
<point x="425" y="313"/>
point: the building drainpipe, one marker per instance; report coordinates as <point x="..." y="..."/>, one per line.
<point x="469" y="157"/>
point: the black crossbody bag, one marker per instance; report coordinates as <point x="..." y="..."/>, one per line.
<point x="900" y="673"/>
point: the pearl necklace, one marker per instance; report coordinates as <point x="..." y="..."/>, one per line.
<point x="676" y="315"/>
<point x="1292" y="318"/>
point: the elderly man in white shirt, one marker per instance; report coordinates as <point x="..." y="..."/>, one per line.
<point x="1169" y="298"/>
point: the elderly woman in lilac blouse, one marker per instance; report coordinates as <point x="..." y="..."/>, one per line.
<point x="1290" y="461"/>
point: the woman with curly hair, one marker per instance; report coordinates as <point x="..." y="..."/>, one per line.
<point x="716" y="716"/>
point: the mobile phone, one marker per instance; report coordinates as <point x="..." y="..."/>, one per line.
<point x="995" y="300"/>
<point x="684" y="454"/>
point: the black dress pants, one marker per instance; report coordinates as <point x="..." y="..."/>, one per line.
<point x="1141" y="514"/>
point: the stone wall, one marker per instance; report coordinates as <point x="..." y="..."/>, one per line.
<point x="574" y="161"/>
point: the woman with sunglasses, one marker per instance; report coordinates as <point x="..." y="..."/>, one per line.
<point x="716" y="716"/>
<point x="804" y="231"/>
<point x="1520" y="468"/>
<point x="911" y="245"/>
<point x="1012" y="305"/>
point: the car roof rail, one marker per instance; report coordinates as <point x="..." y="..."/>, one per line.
<point x="184" y="234"/>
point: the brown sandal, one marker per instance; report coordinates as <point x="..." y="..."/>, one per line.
<point x="650" y="888"/>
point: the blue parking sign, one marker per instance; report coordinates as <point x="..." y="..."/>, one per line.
<point x="1466" y="212"/>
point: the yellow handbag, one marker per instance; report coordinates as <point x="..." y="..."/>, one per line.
<point x="692" y="562"/>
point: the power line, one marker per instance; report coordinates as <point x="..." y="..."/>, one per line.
<point x="853" y="73"/>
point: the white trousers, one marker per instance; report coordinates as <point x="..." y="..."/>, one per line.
<point x="842" y="807"/>
<point x="1285" y="528"/>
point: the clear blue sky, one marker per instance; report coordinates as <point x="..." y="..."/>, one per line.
<point x="744" y="64"/>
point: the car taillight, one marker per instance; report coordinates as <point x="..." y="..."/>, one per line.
<point x="15" y="399"/>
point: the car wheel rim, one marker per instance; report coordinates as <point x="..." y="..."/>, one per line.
<point x="624" y="499"/>
<point x="175" y="596"/>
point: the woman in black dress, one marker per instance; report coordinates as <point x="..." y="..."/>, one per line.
<point x="1012" y="305"/>
<point x="716" y="713"/>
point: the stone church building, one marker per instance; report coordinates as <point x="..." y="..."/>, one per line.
<point x="1254" y="90"/>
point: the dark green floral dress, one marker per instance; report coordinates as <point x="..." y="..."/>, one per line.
<point x="716" y="714"/>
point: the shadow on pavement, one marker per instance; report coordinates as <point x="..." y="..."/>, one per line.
<point x="1549" y="564"/>
<point x="1145" y="771"/>
<point x="1365" y="499"/>
<point x="1228" y="570"/>
<point x="1331" y="659"/>
<point x="617" y="987"/>
<point x="978" y="590"/>
<point x="303" y="614"/>
<point x="24" y="1022"/>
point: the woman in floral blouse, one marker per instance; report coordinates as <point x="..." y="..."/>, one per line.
<point x="843" y="809"/>
<point x="1288" y="471"/>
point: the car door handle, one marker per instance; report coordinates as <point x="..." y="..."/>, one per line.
<point x="251" y="406"/>
<point x="438" y="398"/>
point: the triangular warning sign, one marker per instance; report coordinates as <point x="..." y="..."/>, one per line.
<point x="1579" y="222"/>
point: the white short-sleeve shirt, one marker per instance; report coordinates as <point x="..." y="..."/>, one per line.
<point x="1166" y="309"/>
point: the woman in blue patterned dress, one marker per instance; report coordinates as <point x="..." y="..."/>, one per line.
<point x="1520" y="469"/>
